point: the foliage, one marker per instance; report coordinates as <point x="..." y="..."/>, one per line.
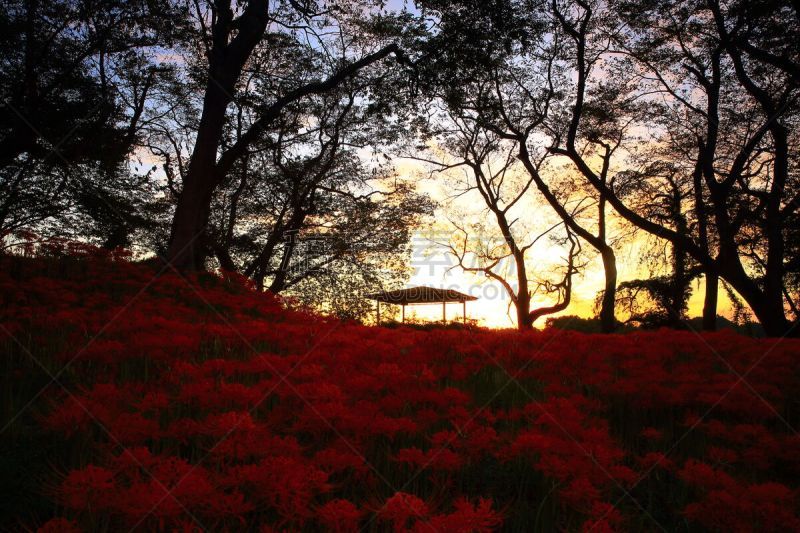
<point x="75" y="78"/>
<point x="574" y="323"/>
<point x="651" y="302"/>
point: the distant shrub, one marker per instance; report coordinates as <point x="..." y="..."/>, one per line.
<point x="574" y="323"/>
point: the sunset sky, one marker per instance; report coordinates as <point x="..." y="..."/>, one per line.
<point x="491" y="309"/>
<point x="433" y="266"/>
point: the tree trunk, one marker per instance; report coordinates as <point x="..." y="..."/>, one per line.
<point x="607" y="319"/>
<point x="711" y="277"/>
<point x="772" y="315"/>
<point x="187" y="248"/>
<point x="257" y="270"/>
<point x="225" y="260"/>
<point x="523" y="306"/>
<point x="773" y="319"/>
<point x="768" y="310"/>
<point x="279" y="281"/>
<point x="710" y="302"/>
<point x="774" y="272"/>
<point x="608" y="322"/>
<point x="523" y="300"/>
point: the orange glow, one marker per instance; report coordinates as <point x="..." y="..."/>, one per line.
<point x="432" y="266"/>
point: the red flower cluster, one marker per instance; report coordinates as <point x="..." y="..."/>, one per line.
<point x="201" y="404"/>
<point x="729" y="505"/>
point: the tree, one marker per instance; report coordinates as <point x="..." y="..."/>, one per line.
<point x="660" y="191"/>
<point x="75" y="80"/>
<point x="232" y="39"/>
<point x="359" y="244"/>
<point x="490" y="170"/>
<point x="730" y="70"/>
<point x="304" y="206"/>
<point x="511" y="83"/>
<point x="716" y="63"/>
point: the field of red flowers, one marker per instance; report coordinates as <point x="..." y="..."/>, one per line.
<point x="136" y="401"/>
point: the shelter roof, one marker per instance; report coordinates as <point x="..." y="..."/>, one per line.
<point x="420" y="295"/>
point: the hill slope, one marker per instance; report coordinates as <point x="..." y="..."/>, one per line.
<point x="136" y="400"/>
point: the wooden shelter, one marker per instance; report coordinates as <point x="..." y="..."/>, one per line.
<point x="421" y="296"/>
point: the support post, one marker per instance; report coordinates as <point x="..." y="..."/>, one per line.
<point x="378" y="312"/>
<point x="444" y="312"/>
<point x="464" y="315"/>
<point x="404" y="312"/>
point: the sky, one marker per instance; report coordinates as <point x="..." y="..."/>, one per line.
<point x="492" y="307"/>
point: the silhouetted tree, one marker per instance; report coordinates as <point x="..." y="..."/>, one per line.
<point x="729" y="71"/>
<point x="75" y="79"/>
<point x="490" y="169"/>
<point x="234" y="39"/>
<point x="510" y="80"/>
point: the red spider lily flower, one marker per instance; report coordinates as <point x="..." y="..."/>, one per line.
<point x="339" y="516"/>
<point x="479" y="517"/>
<point x="225" y="505"/>
<point x="147" y="497"/>
<point x="702" y="475"/>
<point x="740" y="507"/>
<point x="210" y="428"/>
<point x="433" y="459"/>
<point x="153" y="401"/>
<point x="254" y="443"/>
<point x="719" y="455"/>
<point x="89" y="488"/>
<point x="402" y="508"/>
<point x="132" y="428"/>
<point x="224" y="424"/>
<point x="602" y="525"/>
<point x="286" y="484"/>
<point x="622" y="475"/>
<point x="338" y="458"/>
<point x="580" y="494"/>
<point x="653" y="460"/>
<point x="604" y="517"/>
<point x="68" y="418"/>
<point x="479" y="440"/>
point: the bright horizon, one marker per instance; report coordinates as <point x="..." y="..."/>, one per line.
<point x="491" y="309"/>
<point x="432" y="266"/>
